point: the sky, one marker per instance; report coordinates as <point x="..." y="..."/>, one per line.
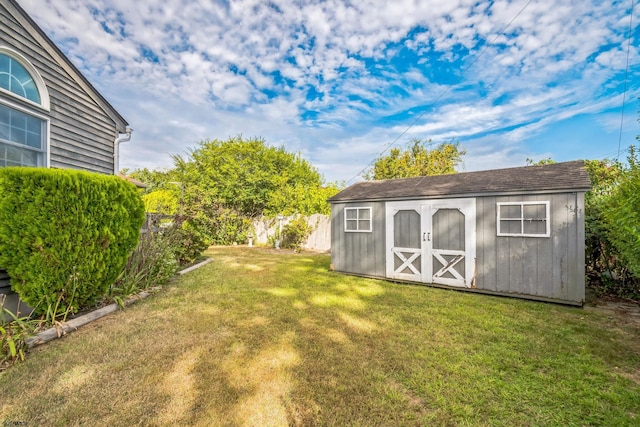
<point x="341" y="82"/>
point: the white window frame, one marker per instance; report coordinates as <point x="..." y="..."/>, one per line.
<point x="35" y="76"/>
<point x="358" y="219"/>
<point x="522" y="219"/>
<point x="46" y="149"/>
<point x="26" y="106"/>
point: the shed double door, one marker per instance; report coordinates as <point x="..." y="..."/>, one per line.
<point x="431" y="241"/>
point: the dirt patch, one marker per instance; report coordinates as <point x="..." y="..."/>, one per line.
<point x="635" y="376"/>
<point x="625" y="312"/>
<point x="411" y="398"/>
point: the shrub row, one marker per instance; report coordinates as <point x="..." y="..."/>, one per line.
<point x="612" y="227"/>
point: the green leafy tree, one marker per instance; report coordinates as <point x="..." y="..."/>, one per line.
<point x="547" y="161"/>
<point x="292" y="199"/>
<point x="227" y="183"/>
<point x="217" y="224"/>
<point x="252" y="178"/>
<point x="417" y="160"/>
<point x="156" y="179"/>
<point x="162" y="201"/>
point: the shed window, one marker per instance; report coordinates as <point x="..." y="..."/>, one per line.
<point x="524" y="219"/>
<point x="357" y="219"/>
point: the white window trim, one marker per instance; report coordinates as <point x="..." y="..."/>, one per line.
<point x="47" y="131"/>
<point x="522" y="219"/>
<point x="357" y="219"/>
<point x="27" y="106"/>
<point x="37" y="79"/>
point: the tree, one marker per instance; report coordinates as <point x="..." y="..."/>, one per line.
<point x="162" y="201"/>
<point x="547" y="161"/>
<point x="252" y="178"/>
<point x="417" y="160"/>
<point x="228" y="183"/>
<point x="156" y="179"/>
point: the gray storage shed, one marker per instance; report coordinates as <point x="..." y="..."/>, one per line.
<point x="516" y="232"/>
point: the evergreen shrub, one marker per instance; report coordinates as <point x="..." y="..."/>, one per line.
<point x="65" y="235"/>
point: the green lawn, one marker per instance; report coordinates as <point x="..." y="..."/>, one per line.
<point x="263" y="338"/>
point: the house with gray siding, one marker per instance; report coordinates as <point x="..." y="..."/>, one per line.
<point x="50" y="114"/>
<point x="515" y="232"/>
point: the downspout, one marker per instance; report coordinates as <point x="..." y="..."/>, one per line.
<point x="116" y="148"/>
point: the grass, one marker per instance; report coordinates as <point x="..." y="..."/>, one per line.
<point x="259" y="338"/>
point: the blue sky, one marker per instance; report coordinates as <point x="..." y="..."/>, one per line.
<point x="339" y="81"/>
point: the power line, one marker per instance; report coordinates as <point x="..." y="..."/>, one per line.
<point x="626" y="74"/>
<point x="611" y="153"/>
<point x="444" y="92"/>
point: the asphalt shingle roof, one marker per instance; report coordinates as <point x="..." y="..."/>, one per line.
<point x="556" y="177"/>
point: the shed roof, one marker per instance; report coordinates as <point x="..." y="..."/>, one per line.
<point x="134" y="181"/>
<point x="553" y="178"/>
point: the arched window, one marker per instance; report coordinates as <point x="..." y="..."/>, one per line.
<point x="16" y="79"/>
<point x="23" y="126"/>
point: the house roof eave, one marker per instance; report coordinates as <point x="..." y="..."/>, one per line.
<point x="26" y="21"/>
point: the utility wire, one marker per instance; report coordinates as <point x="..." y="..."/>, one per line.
<point x="626" y="74"/>
<point x="444" y="92"/>
<point x="605" y="156"/>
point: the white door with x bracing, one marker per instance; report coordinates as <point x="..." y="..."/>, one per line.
<point x="431" y="241"/>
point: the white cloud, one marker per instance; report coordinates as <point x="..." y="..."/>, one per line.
<point x="185" y="70"/>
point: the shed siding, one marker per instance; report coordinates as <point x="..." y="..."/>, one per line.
<point x="549" y="267"/>
<point x="358" y="253"/>
<point x="579" y="288"/>
<point x="81" y="132"/>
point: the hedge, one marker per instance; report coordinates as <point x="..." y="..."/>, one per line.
<point x="623" y="220"/>
<point x="65" y="235"/>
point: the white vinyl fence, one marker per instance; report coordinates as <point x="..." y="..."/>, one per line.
<point x="319" y="239"/>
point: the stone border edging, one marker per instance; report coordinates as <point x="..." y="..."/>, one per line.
<point x="64" y="328"/>
<point x="193" y="267"/>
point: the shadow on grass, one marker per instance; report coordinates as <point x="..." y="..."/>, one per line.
<point x="260" y="338"/>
